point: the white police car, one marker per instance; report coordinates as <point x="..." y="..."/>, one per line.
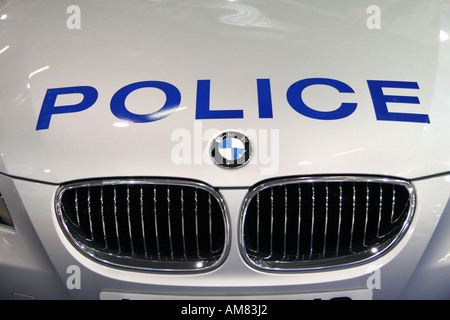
<point x="224" y="149"/>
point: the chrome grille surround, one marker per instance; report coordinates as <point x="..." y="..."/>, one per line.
<point x="5" y="216"/>
<point x="156" y="225"/>
<point x="340" y="222"/>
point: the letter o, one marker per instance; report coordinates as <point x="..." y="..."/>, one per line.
<point x="173" y="99"/>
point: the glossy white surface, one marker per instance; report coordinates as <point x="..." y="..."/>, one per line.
<point x="231" y="43"/>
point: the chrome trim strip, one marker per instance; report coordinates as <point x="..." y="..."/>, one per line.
<point x="393" y="204"/>
<point x="367" y="212"/>
<point x="340" y="217"/>
<point x="155" y="213"/>
<point x="89" y="213"/>
<point x="299" y="218"/>
<point x="323" y="266"/>
<point x="353" y="215"/>
<point x="142" y="265"/>
<point x="141" y="205"/>
<point x="326" y="220"/>
<point x="182" y="223"/>
<point x="115" y="219"/>
<point x="168" y="222"/>
<point x="76" y="207"/>
<point x="285" y="221"/>
<point x="103" y="218"/>
<point x="196" y="221"/>
<point x="129" y="220"/>
<point x="271" y="222"/>
<point x="312" y="222"/>
<point x="257" y="222"/>
<point x="380" y="210"/>
<point x="210" y="223"/>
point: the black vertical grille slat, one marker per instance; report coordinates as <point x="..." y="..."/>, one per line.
<point x="155" y="224"/>
<point x="308" y="223"/>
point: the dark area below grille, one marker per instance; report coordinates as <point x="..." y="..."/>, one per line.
<point x="304" y="224"/>
<point x="146" y="225"/>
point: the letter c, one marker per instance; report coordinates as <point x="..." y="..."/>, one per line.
<point x="294" y="97"/>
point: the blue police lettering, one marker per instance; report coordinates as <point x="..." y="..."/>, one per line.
<point x="48" y="108"/>
<point x="173" y="99"/>
<point x="380" y="101"/>
<point x="294" y="97"/>
<point x="264" y="96"/>
<point x="203" y="109"/>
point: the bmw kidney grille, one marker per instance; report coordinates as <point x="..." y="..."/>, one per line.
<point x="155" y="225"/>
<point x="303" y="224"/>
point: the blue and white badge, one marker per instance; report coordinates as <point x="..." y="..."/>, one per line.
<point x="231" y="149"/>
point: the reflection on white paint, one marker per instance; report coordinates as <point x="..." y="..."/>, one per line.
<point x="37" y="71"/>
<point x="248" y="16"/>
<point x="348" y="152"/>
<point x="121" y="124"/>
<point x="4" y="49"/>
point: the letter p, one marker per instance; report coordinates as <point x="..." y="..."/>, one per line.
<point x="48" y="108"/>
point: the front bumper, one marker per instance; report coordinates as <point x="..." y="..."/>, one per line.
<point x="37" y="260"/>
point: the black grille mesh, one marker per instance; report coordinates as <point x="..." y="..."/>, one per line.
<point x="152" y="225"/>
<point x="304" y="224"/>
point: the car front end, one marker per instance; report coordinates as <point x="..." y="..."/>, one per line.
<point x="224" y="150"/>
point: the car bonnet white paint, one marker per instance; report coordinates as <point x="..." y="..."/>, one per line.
<point x="230" y="43"/>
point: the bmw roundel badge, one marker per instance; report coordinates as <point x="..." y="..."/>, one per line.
<point x="231" y="149"/>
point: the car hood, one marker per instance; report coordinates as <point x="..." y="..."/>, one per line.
<point x="228" y="46"/>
